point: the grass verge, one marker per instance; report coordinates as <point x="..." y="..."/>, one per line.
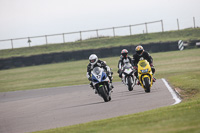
<point x="186" y="34"/>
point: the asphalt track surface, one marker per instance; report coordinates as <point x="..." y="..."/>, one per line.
<point x="40" y="109"/>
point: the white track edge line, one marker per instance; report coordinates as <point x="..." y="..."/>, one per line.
<point x="173" y="93"/>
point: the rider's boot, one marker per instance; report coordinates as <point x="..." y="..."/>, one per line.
<point x="122" y="80"/>
<point x="95" y="91"/>
<point x="111" y="85"/>
<point x="138" y="83"/>
<point x="91" y="85"/>
<point x="154" y="79"/>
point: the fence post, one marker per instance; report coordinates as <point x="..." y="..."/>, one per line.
<point x="29" y="41"/>
<point x="12" y="43"/>
<point x="46" y="39"/>
<point x="97" y="34"/>
<point x="162" y="25"/>
<point x="63" y="37"/>
<point x="194" y="21"/>
<point x="114" y="31"/>
<point x="130" y="30"/>
<point x="80" y="36"/>
<point x="146" y="27"/>
<point x="178" y="24"/>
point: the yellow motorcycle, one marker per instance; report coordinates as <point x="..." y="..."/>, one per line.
<point x="145" y="75"/>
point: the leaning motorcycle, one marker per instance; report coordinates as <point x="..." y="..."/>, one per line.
<point x="101" y="82"/>
<point x="128" y="77"/>
<point x="145" y="75"/>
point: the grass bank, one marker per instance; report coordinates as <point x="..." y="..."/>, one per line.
<point x="104" y="42"/>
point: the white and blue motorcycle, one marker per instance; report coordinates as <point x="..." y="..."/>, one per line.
<point x="101" y="83"/>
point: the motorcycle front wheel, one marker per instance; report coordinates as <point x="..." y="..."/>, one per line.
<point x="104" y="94"/>
<point x="130" y="85"/>
<point x="147" y="85"/>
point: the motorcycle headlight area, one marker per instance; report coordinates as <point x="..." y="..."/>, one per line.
<point x="94" y="80"/>
<point x="144" y="71"/>
<point x="104" y="76"/>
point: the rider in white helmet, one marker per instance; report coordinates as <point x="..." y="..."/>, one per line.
<point x="95" y="62"/>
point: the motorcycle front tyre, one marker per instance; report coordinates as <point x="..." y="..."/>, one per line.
<point x="104" y="94"/>
<point x="147" y="85"/>
<point x="130" y="85"/>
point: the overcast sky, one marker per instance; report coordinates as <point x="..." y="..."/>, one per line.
<point x="23" y="18"/>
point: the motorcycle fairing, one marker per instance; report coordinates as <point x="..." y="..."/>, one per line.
<point x="144" y="71"/>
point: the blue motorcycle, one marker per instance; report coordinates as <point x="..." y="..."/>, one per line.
<point x="101" y="82"/>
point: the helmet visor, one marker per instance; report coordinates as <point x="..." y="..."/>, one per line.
<point x="92" y="61"/>
<point x="139" y="52"/>
<point x="124" y="54"/>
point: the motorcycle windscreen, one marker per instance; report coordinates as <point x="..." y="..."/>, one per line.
<point x="143" y="63"/>
<point x="127" y="66"/>
<point x="96" y="70"/>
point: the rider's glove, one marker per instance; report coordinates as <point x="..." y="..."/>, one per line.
<point x="135" y="67"/>
<point x="151" y="64"/>
<point x="119" y="71"/>
<point x="90" y="78"/>
<point x="110" y="73"/>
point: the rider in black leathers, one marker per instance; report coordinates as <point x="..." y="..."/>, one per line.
<point x="142" y="54"/>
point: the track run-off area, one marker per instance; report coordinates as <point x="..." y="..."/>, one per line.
<point x="40" y="109"/>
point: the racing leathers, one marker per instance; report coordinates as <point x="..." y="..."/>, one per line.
<point x="121" y="63"/>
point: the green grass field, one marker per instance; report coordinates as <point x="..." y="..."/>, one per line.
<point x="105" y="42"/>
<point x="180" y="68"/>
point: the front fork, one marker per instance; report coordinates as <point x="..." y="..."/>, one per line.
<point x="125" y="79"/>
<point x="141" y="79"/>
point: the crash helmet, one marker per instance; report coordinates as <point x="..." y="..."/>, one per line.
<point x="139" y="50"/>
<point x="124" y="53"/>
<point x="93" y="59"/>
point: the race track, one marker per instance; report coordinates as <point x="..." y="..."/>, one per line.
<point x="40" y="109"/>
